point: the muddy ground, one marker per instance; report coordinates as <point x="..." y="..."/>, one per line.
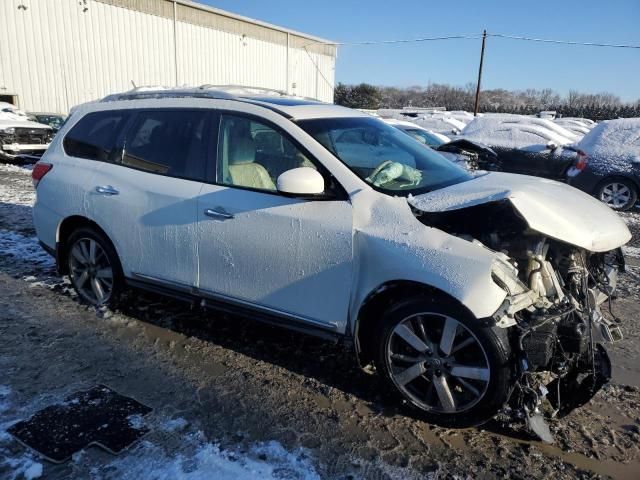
<point x="239" y="382"/>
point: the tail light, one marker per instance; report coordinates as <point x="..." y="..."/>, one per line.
<point x="39" y="171"/>
<point x="581" y="160"/>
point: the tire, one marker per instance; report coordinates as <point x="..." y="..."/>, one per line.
<point x="103" y="270"/>
<point x="487" y="350"/>
<point x="618" y="193"/>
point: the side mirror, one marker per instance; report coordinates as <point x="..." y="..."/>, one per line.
<point x="301" y="181"/>
<point x="552" y="146"/>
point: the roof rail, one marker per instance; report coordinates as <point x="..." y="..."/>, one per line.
<point x="244" y="89"/>
<point x="140" y="93"/>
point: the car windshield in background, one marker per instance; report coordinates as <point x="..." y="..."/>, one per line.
<point x="54" y="121"/>
<point x="382" y="155"/>
<point x="424" y="137"/>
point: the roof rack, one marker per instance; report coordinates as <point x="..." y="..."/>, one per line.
<point x="140" y="93"/>
<point x="244" y="89"/>
<point x="203" y="91"/>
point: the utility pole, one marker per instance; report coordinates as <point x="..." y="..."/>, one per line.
<point x="475" y="108"/>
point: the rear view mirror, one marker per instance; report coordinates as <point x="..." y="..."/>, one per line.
<point x="301" y="181"/>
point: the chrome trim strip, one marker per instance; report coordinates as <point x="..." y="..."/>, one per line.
<point x="235" y="301"/>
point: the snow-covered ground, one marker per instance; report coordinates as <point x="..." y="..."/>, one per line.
<point x="192" y="458"/>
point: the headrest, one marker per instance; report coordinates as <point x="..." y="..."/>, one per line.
<point x="242" y="150"/>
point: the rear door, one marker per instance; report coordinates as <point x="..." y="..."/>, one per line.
<point x="260" y="248"/>
<point x="146" y="199"/>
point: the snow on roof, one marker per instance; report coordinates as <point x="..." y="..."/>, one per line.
<point x="613" y="144"/>
<point x="513" y="131"/>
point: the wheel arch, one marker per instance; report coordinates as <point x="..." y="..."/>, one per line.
<point x="619" y="175"/>
<point x="369" y="314"/>
<point x="64" y="231"/>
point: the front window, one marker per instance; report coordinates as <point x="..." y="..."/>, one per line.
<point x="385" y="157"/>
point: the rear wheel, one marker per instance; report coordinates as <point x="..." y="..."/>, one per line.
<point x="456" y="371"/>
<point x="94" y="267"/>
<point x="618" y="193"/>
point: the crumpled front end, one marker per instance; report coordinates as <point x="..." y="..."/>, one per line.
<point x="553" y="309"/>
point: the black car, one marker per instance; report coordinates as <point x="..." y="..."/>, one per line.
<point x="609" y="166"/>
<point x="525" y="148"/>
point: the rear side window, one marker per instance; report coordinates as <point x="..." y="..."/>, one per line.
<point x="94" y="136"/>
<point x="168" y="142"/>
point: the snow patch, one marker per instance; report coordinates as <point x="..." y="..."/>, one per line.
<point x="26" y="249"/>
<point x="202" y="460"/>
<point x="9" y="168"/>
<point x="631" y="251"/>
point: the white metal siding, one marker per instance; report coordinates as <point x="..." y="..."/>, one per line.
<point x="59" y="53"/>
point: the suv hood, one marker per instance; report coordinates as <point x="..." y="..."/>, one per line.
<point x="548" y="207"/>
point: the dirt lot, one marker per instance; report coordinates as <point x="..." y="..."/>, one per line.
<point x="220" y="382"/>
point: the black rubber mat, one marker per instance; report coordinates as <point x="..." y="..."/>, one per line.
<point x="98" y="416"/>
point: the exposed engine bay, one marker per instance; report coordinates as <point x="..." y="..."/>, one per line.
<point x="552" y="312"/>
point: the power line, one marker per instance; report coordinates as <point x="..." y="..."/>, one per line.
<point x="564" y="42"/>
<point x="408" y="40"/>
<point x="477" y="37"/>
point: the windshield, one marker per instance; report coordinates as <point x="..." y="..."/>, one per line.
<point x="385" y="157"/>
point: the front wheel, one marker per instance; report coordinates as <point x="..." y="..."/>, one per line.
<point x="94" y="267"/>
<point x="456" y="371"/>
<point x="618" y="193"/>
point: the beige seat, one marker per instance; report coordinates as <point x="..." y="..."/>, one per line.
<point x="242" y="167"/>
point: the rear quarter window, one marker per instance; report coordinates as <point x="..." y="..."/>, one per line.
<point x="94" y="136"/>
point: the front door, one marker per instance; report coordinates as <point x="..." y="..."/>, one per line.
<point x="259" y="247"/>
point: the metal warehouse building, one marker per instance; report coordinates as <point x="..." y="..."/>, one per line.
<point x="58" y="53"/>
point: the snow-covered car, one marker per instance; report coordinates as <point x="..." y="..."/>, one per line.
<point x="429" y="138"/>
<point x="525" y="145"/>
<point x="578" y="128"/>
<point x="459" y="290"/>
<point x="21" y="140"/>
<point x="610" y="163"/>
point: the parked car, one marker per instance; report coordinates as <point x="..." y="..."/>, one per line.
<point x="573" y="126"/>
<point x="21" y="140"/>
<point x="523" y="146"/>
<point x="455" y="288"/>
<point x="610" y="163"/>
<point x="429" y="138"/>
<point x="54" y="120"/>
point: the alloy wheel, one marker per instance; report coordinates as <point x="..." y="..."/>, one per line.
<point x="91" y="271"/>
<point x="437" y="362"/>
<point x="615" y="194"/>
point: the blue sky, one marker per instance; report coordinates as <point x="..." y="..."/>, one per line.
<point x="509" y="64"/>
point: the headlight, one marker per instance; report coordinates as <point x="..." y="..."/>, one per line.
<point x="8" y="131"/>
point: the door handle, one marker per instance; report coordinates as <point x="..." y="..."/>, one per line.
<point x="106" y="190"/>
<point x="218" y="214"/>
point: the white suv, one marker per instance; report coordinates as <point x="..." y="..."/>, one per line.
<point x="458" y="289"/>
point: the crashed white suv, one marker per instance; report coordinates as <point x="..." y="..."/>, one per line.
<point x="458" y="289"/>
